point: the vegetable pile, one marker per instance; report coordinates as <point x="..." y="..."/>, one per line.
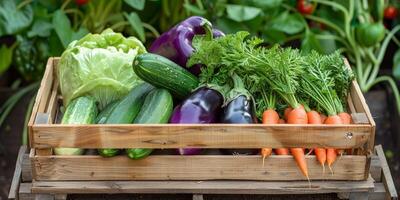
<point x="210" y="78"/>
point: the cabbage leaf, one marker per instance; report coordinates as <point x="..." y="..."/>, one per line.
<point x="99" y="65"/>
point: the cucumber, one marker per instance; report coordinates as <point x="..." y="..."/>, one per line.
<point x="102" y="117"/>
<point x="128" y="108"/>
<point x="138" y="153"/>
<point x="81" y="110"/>
<point x="157" y="109"/>
<point x="161" y="72"/>
<point x="125" y="111"/>
<point x="108" y="152"/>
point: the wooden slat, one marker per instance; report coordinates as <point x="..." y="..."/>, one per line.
<point x="378" y="193"/>
<point x="203" y="187"/>
<point x="53" y="104"/>
<point x="25" y="192"/>
<point x="195" y="135"/>
<point x="26" y="174"/>
<point x="43" y="118"/>
<point x="359" y="118"/>
<point x="166" y="167"/>
<point x="42" y="95"/>
<point x="387" y="176"/>
<point x="376" y="169"/>
<point x="13" y="193"/>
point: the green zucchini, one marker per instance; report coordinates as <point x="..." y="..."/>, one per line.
<point x="125" y="111"/>
<point x="81" y="110"/>
<point x="157" y="109"/>
<point x="102" y="117"/>
<point x="161" y="72"/>
<point x="128" y="108"/>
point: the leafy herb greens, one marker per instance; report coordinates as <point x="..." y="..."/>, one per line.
<point x="275" y="71"/>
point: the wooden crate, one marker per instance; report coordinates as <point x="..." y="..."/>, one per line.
<point x="45" y="135"/>
<point x="378" y="186"/>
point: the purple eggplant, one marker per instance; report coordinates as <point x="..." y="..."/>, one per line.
<point x="239" y="110"/>
<point x="201" y="107"/>
<point x="176" y="44"/>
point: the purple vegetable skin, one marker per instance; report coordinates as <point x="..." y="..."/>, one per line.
<point x="176" y="44"/>
<point x="201" y="107"/>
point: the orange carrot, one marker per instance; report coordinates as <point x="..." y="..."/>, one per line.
<point x="270" y="116"/>
<point x="282" y="151"/>
<point x="299" y="116"/>
<point x="286" y="112"/>
<point x="331" y="152"/>
<point x="298" y="155"/>
<point x="346" y="117"/>
<point x="323" y="118"/>
<point x="265" y="152"/>
<point x="282" y="121"/>
<point x="320" y="153"/>
<point x="314" y="117"/>
<point x="330" y="157"/>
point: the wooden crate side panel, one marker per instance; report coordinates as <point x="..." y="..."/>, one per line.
<point x="191" y="168"/>
<point x="202" y="187"/>
<point x="42" y="97"/>
<point x="195" y="135"/>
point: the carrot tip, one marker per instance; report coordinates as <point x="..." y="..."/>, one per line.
<point x="263" y="161"/>
<point x="323" y="169"/>
<point x="330" y="168"/>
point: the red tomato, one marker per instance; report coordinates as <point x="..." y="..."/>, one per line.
<point x="305" y="7"/>
<point x="81" y="2"/>
<point x="390" y="12"/>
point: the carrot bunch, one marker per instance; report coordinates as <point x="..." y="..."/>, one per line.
<point x="322" y="87"/>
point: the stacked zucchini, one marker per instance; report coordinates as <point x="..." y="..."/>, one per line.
<point x="144" y="104"/>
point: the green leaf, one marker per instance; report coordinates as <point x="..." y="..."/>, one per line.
<point x="136" y="4"/>
<point x="12" y="19"/>
<point x="229" y="26"/>
<point x="241" y="13"/>
<point x="287" y="23"/>
<point x="396" y="65"/>
<point x="328" y="45"/>
<point x="5" y="57"/>
<point x="136" y="24"/>
<point x="273" y="36"/>
<point x="266" y="4"/>
<point x="62" y="26"/>
<point x="309" y="43"/>
<point x="40" y="28"/>
<point x="193" y="9"/>
<point x="79" y="34"/>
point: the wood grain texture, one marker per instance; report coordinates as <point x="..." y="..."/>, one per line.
<point x="26" y="174"/>
<point x="41" y="96"/>
<point x="203" y="187"/>
<point x="387" y="176"/>
<point x="13" y="192"/>
<point x="204" y="136"/>
<point x="165" y="167"/>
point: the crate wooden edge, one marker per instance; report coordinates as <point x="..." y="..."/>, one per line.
<point x="201" y="167"/>
<point x="25" y="190"/>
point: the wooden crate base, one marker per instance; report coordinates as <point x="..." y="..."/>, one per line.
<point x="378" y="186"/>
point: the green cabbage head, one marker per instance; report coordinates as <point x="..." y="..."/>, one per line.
<point x="99" y="65"/>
